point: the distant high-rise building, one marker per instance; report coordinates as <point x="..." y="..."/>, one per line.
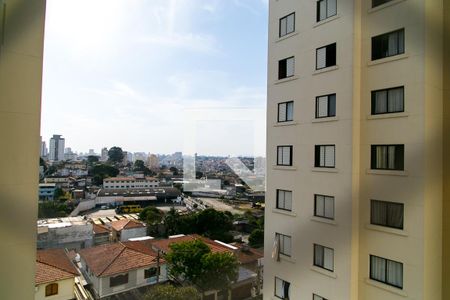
<point x="104" y="154"/>
<point x="153" y="162"/>
<point x="56" y="148"/>
<point x="91" y="152"/>
<point x="43" y="151"/>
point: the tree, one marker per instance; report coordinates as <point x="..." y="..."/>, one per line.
<point x="101" y="171"/>
<point x="152" y="217"/>
<point x="53" y="209"/>
<point x="256" y="238"/>
<point x="43" y="164"/>
<point x="194" y="262"/>
<point x="59" y="193"/>
<point x="169" y="292"/>
<point x="115" y="155"/>
<point x="91" y="159"/>
<point x="139" y="166"/>
<point x="215" y="224"/>
<point x="174" y="170"/>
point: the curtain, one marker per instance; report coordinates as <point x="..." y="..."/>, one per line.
<point x="394" y="273"/>
<point x="321" y="58"/>
<point x="328" y="259"/>
<point x="286" y="286"/>
<point x="380" y="102"/>
<point x="322" y="106"/>
<point x="378" y="268"/>
<point x="381" y="157"/>
<point x="392" y="44"/>
<point x="395" y="215"/>
<point x="391" y="157"/>
<point x="276" y="248"/>
<point x="290" y="66"/>
<point x="282" y="112"/>
<point x="395" y="100"/>
<point x="318" y="255"/>
<point x="378" y="212"/>
<point x="401" y="41"/>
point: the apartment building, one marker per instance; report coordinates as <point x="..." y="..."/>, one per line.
<point x="357" y="167"/>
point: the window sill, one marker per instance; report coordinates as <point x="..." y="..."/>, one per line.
<point x="332" y="18"/>
<point x="286" y="36"/>
<point x="287" y="258"/>
<point x="284" y="212"/>
<point x="323" y="272"/>
<point x="289" y="123"/>
<point x="325" y="119"/>
<point x="386" y="229"/>
<point x="387" y="59"/>
<point x="327" y="69"/>
<point x="380" y="7"/>
<point x="286" y="168"/>
<point x="386" y="287"/>
<point x="325" y="170"/>
<point x="388" y="116"/>
<point x="279" y="81"/>
<point x="387" y="172"/>
<point x="323" y="220"/>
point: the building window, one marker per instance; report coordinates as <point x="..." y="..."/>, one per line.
<point x="284" y="155"/>
<point x="287" y="25"/>
<point x="387" y="157"/>
<point x="388" y="44"/>
<point x="51" y="289"/>
<point x="389" y="214"/>
<point x="281" y="288"/>
<point x="326" y="106"/>
<point x="284" y="244"/>
<point x="326" y="56"/>
<point x="324" y="156"/>
<point x="286" y="67"/>
<point x="325" y="9"/>
<point x="324" y="257"/>
<point x="284" y="200"/>
<point x="324" y="206"/>
<point x="118" y="280"/>
<point x="286" y="111"/>
<point x="376" y="3"/>
<point x="388" y="101"/>
<point x="151" y="272"/>
<point x="317" y="297"/>
<point x="386" y="271"/>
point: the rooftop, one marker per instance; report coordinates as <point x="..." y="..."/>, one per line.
<point x="53" y="265"/>
<point x="126" y="224"/>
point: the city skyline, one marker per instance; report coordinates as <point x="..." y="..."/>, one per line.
<point x="122" y="78"/>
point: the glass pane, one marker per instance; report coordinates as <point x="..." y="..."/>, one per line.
<point x="283" y="23"/>
<point x="329" y="207"/>
<point x="280" y="156"/>
<point x="395" y="97"/>
<point x="320" y="205"/>
<point x="378" y="212"/>
<point x="290" y="23"/>
<point x="322" y="156"/>
<point x="401" y="41"/>
<point x="328" y="259"/>
<point x="286" y="155"/>
<point x="290" y="111"/>
<point x="395" y="215"/>
<point x="395" y="273"/>
<point x="381" y="162"/>
<point x="290" y="67"/>
<point x="378" y="268"/>
<point x="318" y="255"/>
<point x="278" y="287"/>
<point x="288" y="200"/>
<point x="287" y="245"/>
<point x="321" y="58"/>
<point x="322" y="10"/>
<point x="380" y="102"/>
<point x="391" y="157"/>
<point x="392" y="44"/>
<point x="331" y="9"/>
<point x="332" y="105"/>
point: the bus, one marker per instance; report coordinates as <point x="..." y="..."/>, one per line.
<point x="128" y="209"/>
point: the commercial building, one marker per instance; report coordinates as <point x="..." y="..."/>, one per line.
<point x="358" y="193"/>
<point x="56" y="151"/>
<point x="130" y="183"/>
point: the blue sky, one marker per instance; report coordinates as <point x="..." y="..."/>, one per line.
<point x="125" y="73"/>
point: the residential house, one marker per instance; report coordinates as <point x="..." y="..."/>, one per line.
<point x="47" y="191"/>
<point x="101" y="234"/>
<point x="125" y="229"/>
<point x="120" y="267"/>
<point x="70" y="233"/>
<point x="55" y="275"/>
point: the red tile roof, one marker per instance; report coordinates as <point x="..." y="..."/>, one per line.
<point x="248" y="255"/>
<point x="111" y="259"/>
<point x="53" y="265"/>
<point x="126" y="224"/>
<point x="99" y="229"/>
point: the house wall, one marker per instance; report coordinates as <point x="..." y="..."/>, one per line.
<point x="72" y="237"/>
<point x="65" y="291"/>
<point x="126" y="234"/>
<point x="21" y="57"/>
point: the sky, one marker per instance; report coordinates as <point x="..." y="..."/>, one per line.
<point x="129" y="74"/>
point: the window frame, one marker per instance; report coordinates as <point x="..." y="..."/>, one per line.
<point x="286" y="114"/>
<point x="383" y="2"/>
<point x="117" y="280"/>
<point x="401" y="162"/>
<point x="318" y="19"/>
<point x="328" y="106"/>
<point x="386" y="260"/>
<point x="327" y="63"/>
<point x="285" y="61"/>
<point x="317" y="157"/>
<point x="275" y="288"/>
<point x="281" y="246"/>
<point x="387" y="203"/>
<point x="323" y="258"/>
<point x="397" y="31"/>
<point x="277" y="199"/>
<point x="51" y="289"/>
<point x="317" y="297"/>
<point x="373" y="100"/>
<point x="279" y="25"/>
<point x="146" y="271"/>
<point x="315" y="206"/>
<point x="290" y="155"/>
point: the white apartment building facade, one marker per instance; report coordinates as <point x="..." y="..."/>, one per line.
<point x="56" y="148"/>
<point x="130" y="183"/>
<point x="356" y="169"/>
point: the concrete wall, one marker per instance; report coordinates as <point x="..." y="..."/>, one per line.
<point x="65" y="291"/>
<point x="127" y="234"/>
<point x="20" y="105"/>
<point x="72" y="237"/>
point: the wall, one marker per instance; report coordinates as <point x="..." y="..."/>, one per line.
<point x="65" y="291"/>
<point x="126" y="234"/>
<point x="72" y="237"/>
<point x="20" y="106"/>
